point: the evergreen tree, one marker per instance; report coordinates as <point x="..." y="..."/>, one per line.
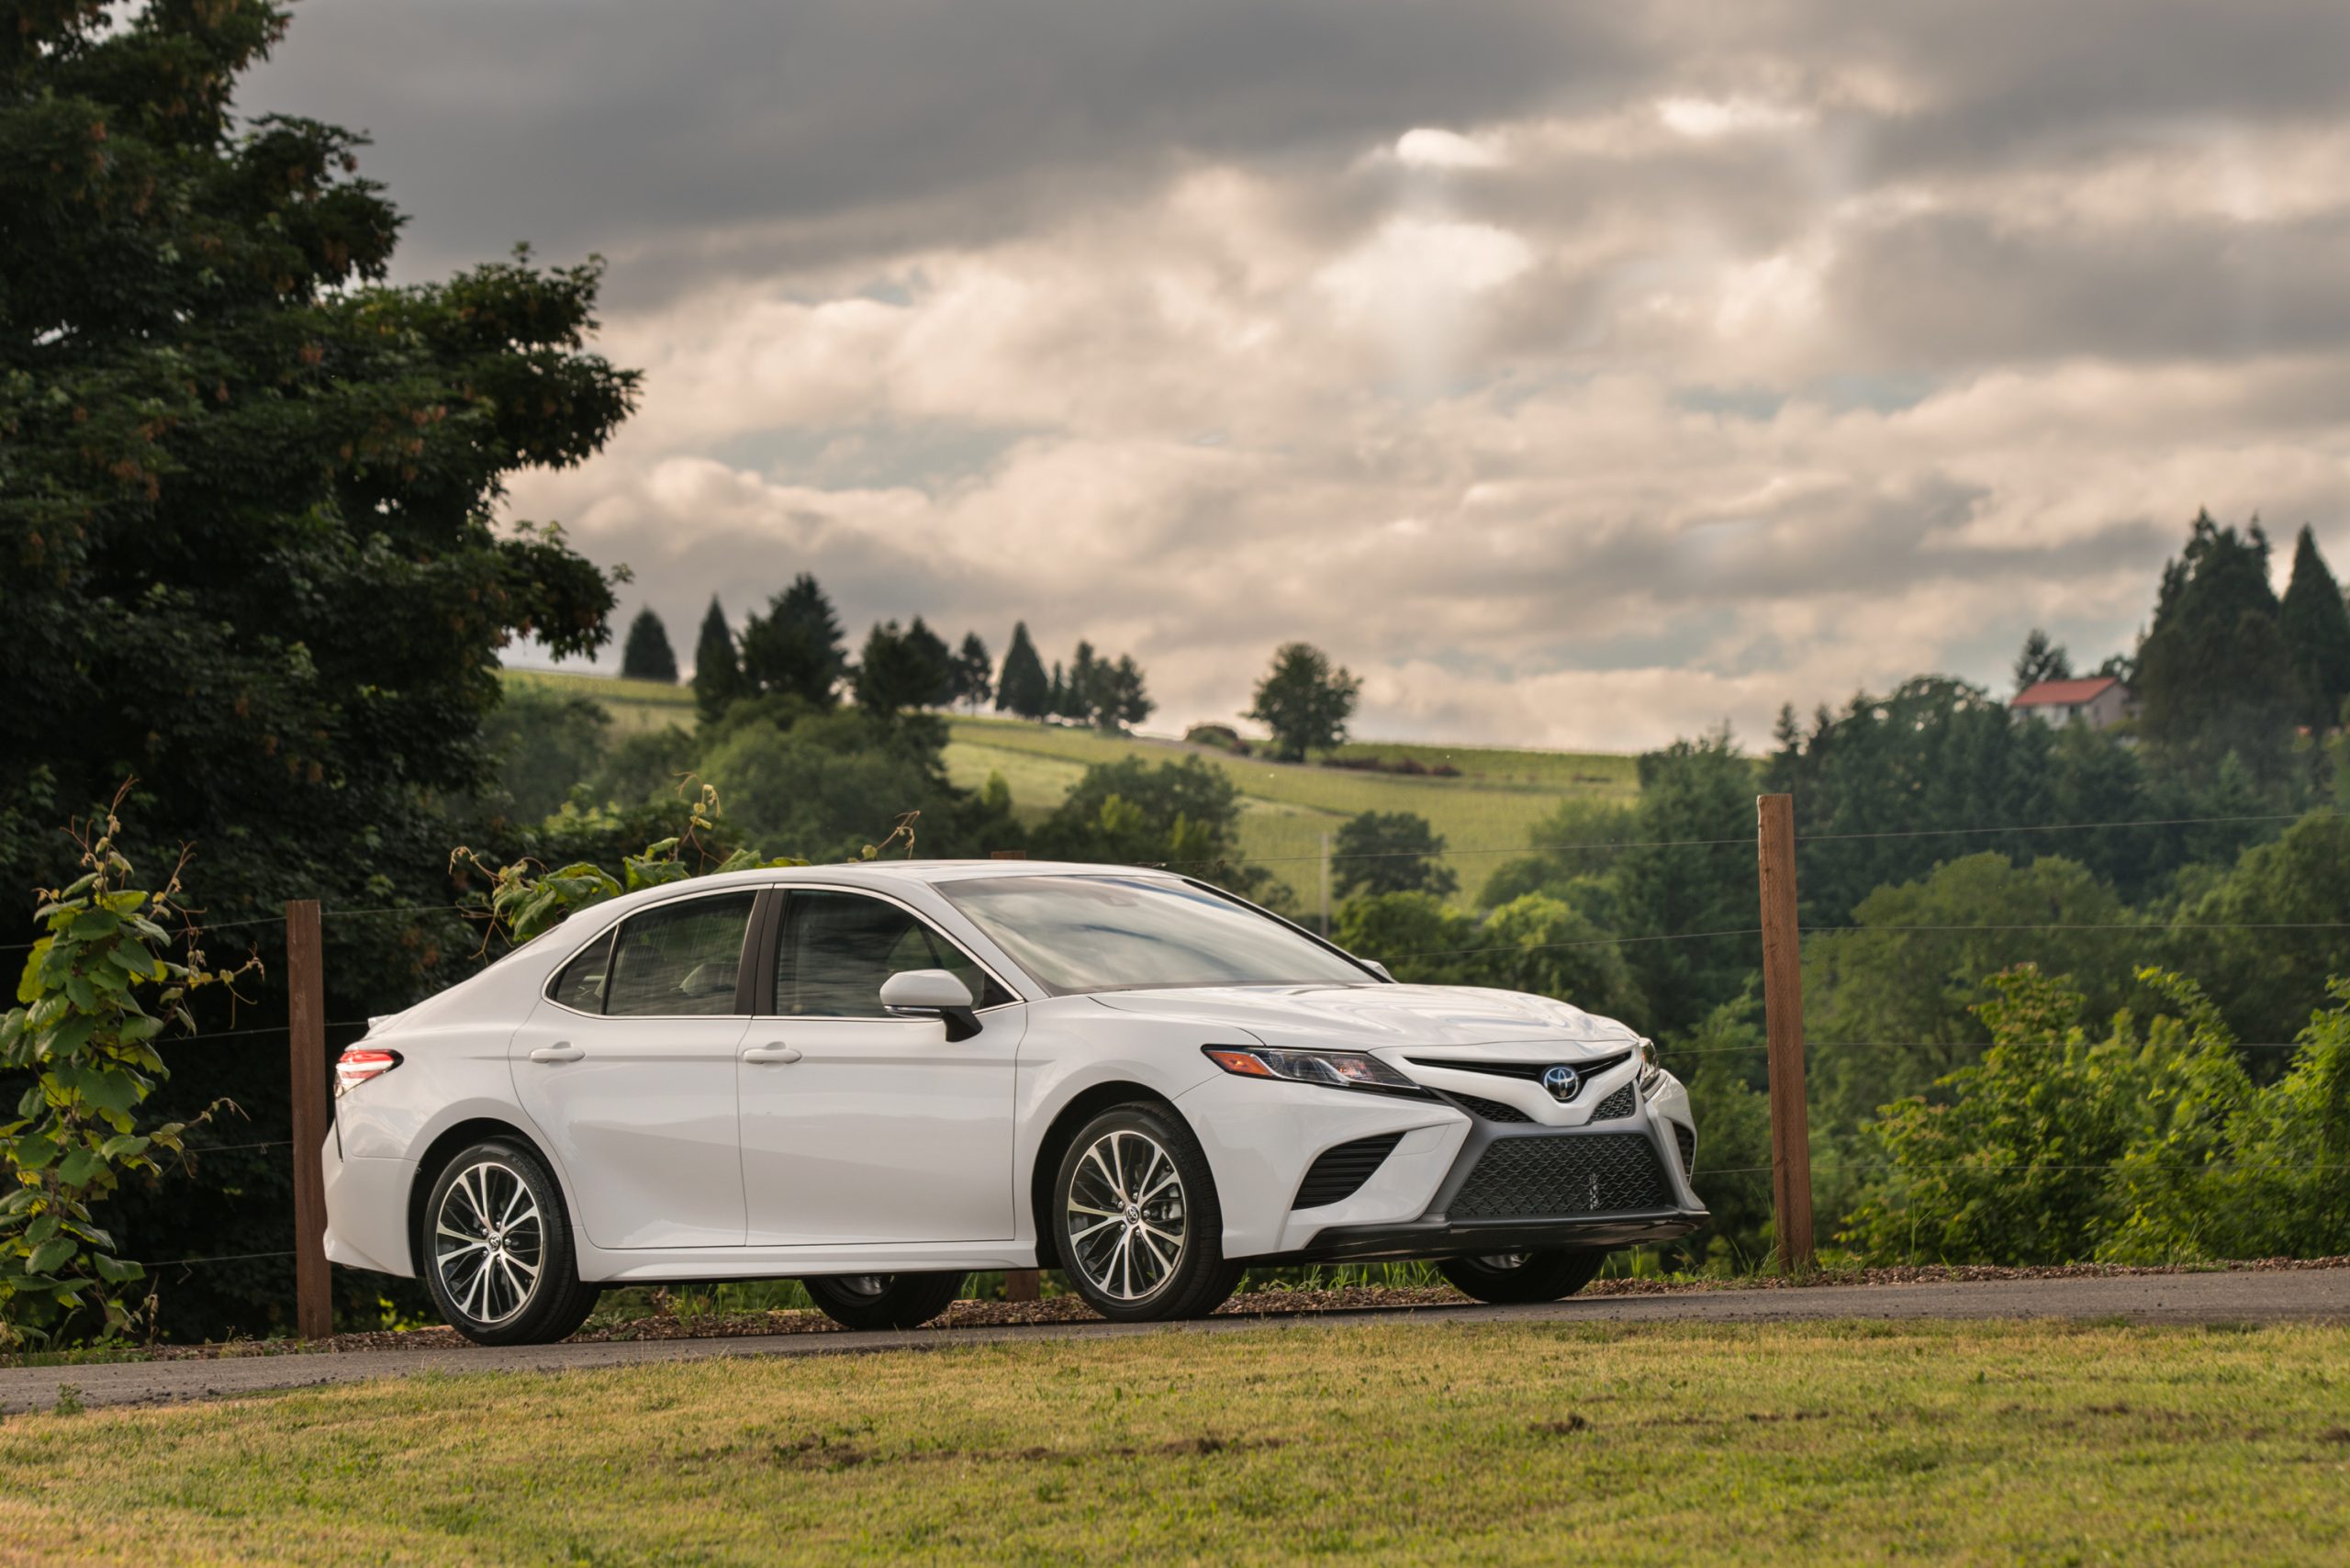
<point x="1021" y="687"/>
<point x="1057" y="694"/>
<point x="2041" y="660"/>
<point x="2215" y="674"/>
<point x="974" y="672"/>
<point x="895" y="672"/>
<point x="646" y="655"/>
<point x="1128" y="703"/>
<point x="1082" y="699"/>
<point x="1304" y="701"/>
<point x="797" y="647"/>
<point x="2316" y="624"/>
<point x="929" y="653"/>
<point x="718" y="678"/>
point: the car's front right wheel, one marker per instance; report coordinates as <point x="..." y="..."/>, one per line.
<point x="1135" y="1222"/>
<point x="1507" y="1278"/>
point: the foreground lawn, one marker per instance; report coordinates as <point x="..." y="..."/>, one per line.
<point x="1388" y="1442"/>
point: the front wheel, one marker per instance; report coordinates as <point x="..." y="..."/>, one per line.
<point x="1506" y="1278"/>
<point x="495" y="1247"/>
<point x="1137" y="1225"/>
<point x="883" y="1301"/>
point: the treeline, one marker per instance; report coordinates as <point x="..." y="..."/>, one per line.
<point x="797" y="648"/>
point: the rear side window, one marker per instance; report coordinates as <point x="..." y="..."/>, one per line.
<point x="581" y="984"/>
<point x="681" y="959"/>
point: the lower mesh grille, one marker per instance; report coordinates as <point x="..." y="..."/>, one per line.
<point x="1688" y="1142"/>
<point x="1616" y="1107"/>
<point x="1492" y="1110"/>
<point x="1577" y="1173"/>
<point x="1340" y="1171"/>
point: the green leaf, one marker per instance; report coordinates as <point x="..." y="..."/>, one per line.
<point x="49" y="1255"/>
<point x="42" y="1229"/>
<point x="115" y="1270"/>
<point x="116" y="1147"/>
<point x="30" y="988"/>
<point x="33" y="1152"/>
<point x="114" y="1089"/>
<point x="79" y="1166"/>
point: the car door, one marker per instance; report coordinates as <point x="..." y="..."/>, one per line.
<point x="628" y="1066"/>
<point x="858" y="1126"/>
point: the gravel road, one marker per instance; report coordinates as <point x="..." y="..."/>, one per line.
<point x="2239" y="1297"/>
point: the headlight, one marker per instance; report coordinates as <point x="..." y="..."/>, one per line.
<point x="1651" y="1075"/>
<point x="1332" y="1069"/>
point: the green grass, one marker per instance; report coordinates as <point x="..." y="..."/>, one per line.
<point x="1486" y="814"/>
<point x="1382" y="1443"/>
<point x="635" y="705"/>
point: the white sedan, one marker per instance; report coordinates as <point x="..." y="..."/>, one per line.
<point x="879" y="1078"/>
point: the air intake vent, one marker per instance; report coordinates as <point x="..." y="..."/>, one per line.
<point x="1573" y="1173"/>
<point x="1340" y="1172"/>
<point x="1616" y="1105"/>
<point x="1688" y="1142"/>
<point x="1491" y="1109"/>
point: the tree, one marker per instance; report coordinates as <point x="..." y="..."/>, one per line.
<point x="646" y="655"/>
<point x="2215" y="673"/>
<point x="796" y="648"/>
<point x="1390" y="852"/>
<point x="929" y="650"/>
<point x="1126" y="702"/>
<point x="1057" y="694"/>
<point x="1082" y="696"/>
<point x="2041" y="660"/>
<point x="974" y="672"/>
<point x="2316" y="624"/>
<point x="718" y="678"/>
<point x="898" y="670"/>
<point x="545" y="742"/>
<point x="248" y="504"/>
<point x="1303" y="702"/>
<point x="1184" y="814"/>
<point x="1021" y="688"/>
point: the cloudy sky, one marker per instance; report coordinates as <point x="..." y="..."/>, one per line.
<point x="1577" y="375"/>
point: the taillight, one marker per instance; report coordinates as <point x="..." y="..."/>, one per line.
<point x="359" y="1064"/>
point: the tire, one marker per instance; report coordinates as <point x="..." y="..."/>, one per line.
<point x="1530" y="1276"/>
<point x="494" y="1246"/>
<point x="883" y="1301"/>
<point x="1114" y="1229"/>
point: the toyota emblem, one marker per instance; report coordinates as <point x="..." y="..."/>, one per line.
<point x="1562" y="1082"/>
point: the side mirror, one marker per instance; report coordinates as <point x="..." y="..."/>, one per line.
<point x="934" y="993"/>
<point x="1375" y="967"/>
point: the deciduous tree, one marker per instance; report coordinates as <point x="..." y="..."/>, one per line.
<point x="1304" y="701"/>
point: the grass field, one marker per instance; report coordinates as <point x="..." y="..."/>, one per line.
<point x="1485" y="814"/>
<point x="635" y="705"/>
<point x="1393" y="1443"/>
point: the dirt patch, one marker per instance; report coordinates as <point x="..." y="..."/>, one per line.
<point x="1560" y="1427"/>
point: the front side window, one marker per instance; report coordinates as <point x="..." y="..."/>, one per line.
<point x="838" y="949"/>
<point x="681" y="959"/>
<point x="1077" y="934"/>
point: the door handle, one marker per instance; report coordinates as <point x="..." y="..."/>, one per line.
<point x="561" y="1050"/>
<point x="778" y="1052"/>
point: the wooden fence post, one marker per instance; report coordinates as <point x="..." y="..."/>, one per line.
<point x="1775" y="821"/>
<point x="306" y="991"/>
<point x="1019" y="1285"/>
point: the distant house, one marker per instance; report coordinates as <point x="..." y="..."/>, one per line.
<point x="2097" y="701"/>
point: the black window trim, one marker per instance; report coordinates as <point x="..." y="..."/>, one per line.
<point x="770" y="954"/>
<point x="751" y="930"/>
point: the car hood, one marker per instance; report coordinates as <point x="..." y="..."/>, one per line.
<point x="1372" y="1017"/>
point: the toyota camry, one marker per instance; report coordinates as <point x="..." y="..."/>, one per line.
<point x="879" y="1078"/>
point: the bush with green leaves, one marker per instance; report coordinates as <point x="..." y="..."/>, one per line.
<point x="2149" y="1145"/>
<point x="97" y="992"/>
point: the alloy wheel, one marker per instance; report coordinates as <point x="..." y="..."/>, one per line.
<point x="489" y="1242"/>
<point x="1127" y="1222"/>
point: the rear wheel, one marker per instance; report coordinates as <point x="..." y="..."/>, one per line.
<point x="1137" y="1225"/>
<point x="883" y="1301"/>
<point x="494" y="1244"/>
<point x="1507" y="1277"/>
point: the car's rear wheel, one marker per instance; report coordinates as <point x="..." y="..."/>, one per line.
<point x="1506" y="1277"/>
<point x="494" y="1244"/>
<point x="883" y="1301"/>
<point x="1137" y="1225"/>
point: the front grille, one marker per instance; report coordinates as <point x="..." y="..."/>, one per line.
<point x="1575" y="1173"/>
<point x="1340" y="1171"/>
<point x="1616" y="1107"/>
<point x="1531" y="1072"/>
<point x="1491" y="1109"/>
<point x="1688" y="1142"/>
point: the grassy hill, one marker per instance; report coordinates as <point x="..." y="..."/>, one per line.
<point x="1485" y="813"/>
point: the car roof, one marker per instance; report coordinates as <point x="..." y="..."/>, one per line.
<point x="875" y="874"/>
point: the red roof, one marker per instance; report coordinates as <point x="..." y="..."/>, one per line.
<point x="2062" y="693"/>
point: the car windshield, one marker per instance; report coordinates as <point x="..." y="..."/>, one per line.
<point x="1078" y="934"/>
